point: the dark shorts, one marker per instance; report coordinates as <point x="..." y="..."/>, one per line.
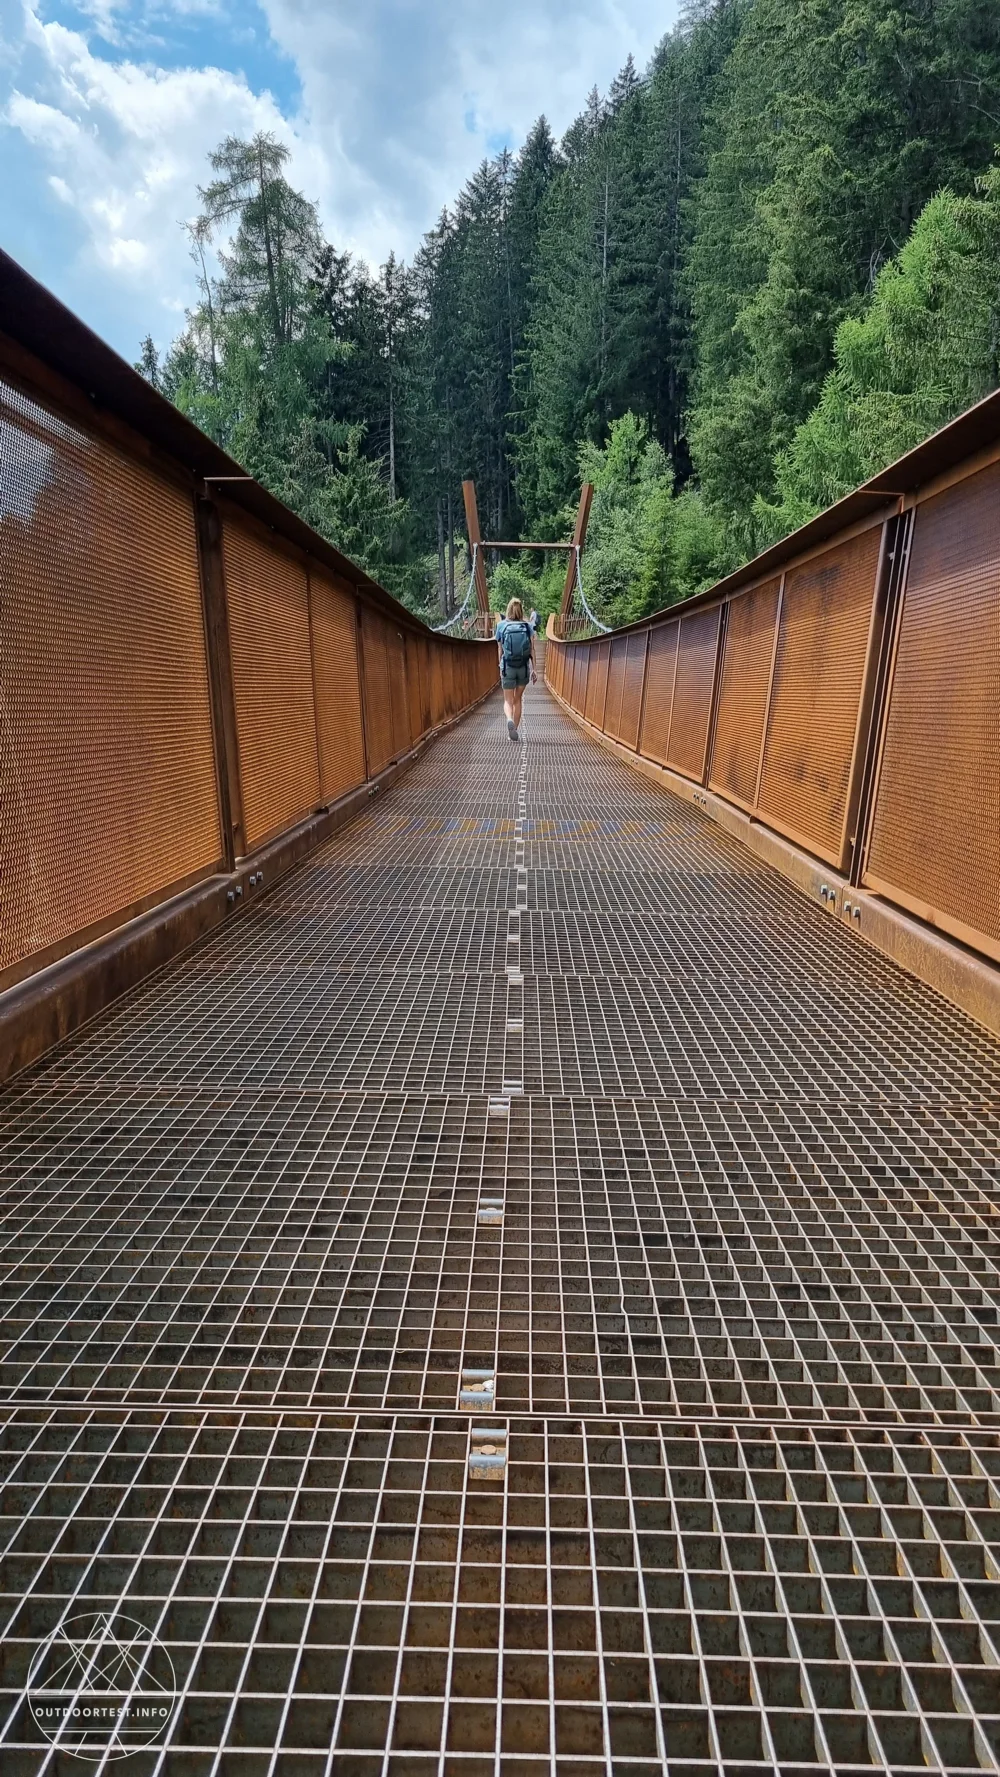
<point x="513" y="676"/>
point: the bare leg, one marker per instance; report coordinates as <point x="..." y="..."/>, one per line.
<point x="517" y="694"/>
<point x="508" y="705"/>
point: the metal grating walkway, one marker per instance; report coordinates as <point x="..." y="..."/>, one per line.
<point x="531" y="1072"/>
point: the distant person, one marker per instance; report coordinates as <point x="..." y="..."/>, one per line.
<point x="516" y="648"/>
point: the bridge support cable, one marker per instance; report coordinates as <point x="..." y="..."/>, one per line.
<point x="471" y="620"/>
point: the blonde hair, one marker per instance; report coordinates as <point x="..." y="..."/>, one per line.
<point x="515" y="610"/>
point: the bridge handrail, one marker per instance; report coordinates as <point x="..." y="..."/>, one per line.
<point x="842" y="690"/>
<point x="194" y="685"/>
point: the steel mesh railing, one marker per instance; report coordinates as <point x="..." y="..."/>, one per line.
<point x="145" y="657"/>
<point x="881" y="647"/>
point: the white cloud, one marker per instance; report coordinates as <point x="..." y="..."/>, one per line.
<point x="399" y="100"/>
<point x="389" y="88"/>
<point x="127" y="146"/>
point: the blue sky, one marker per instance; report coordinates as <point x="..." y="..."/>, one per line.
<point x="109" y="108"/>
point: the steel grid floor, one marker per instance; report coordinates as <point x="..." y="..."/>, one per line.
<point x="739" y="1296"/>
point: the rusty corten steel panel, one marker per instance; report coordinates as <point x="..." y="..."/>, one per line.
<point x="746" y="677"/>
<point x="616" y="687"/>
<point x="581" y="672"/>
<point x="691" y="711"/>
<point x="935" y="841"/>
<point x="660" y="670"/>
<point x="592" y="708"/>
<point x="583" y="680"/>
<point x="437" y="687"/>
<point x="580" y="676"/>
<point x="399" y="702"/>
<point x="635" y="672"/>
<point x="414" y="685"/>
<point x="378" y="715"/>
<point x="823" y="630"/>
<point x="268" y="600"/>
<point x="108" y="790"/>
<point x="337" y="687"/>
<point x="603" y="668"/>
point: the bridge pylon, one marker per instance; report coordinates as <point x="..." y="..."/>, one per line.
<point x="573" y="584"/>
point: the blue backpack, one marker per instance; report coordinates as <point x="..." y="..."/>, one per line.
<point x="516" y="643"/>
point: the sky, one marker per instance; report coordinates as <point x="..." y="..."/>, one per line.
<point x="109" y="109"/>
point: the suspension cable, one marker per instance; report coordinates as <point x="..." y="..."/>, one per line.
<point x="596" y="621"/>
<point x="441" y="628"/>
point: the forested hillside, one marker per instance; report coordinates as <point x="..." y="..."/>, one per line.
<point x="746" y="278"/>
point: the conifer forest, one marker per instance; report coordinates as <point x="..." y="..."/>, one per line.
<point x="749" y="276"/>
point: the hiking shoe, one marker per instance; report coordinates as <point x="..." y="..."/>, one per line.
<point x="511" y="727"/>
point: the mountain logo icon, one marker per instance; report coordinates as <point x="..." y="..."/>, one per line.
<point x="102" y="1685"/>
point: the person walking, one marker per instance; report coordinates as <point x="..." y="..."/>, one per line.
<point x="516" y="648"/>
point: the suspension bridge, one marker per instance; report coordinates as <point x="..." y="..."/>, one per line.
<point x="500" y="1246"/>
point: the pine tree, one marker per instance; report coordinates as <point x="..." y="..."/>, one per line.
<point x="835" y="122"/>
<point x="738" y="251"/>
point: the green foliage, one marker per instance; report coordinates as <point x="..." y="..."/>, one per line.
<point x="607" y="328"/>
<point x="746" y="278"/>
<point x="926" y="348"/>
<point x="834" y="122"/>
<point x="647" y="546"/>
<point x="512" y="580"/>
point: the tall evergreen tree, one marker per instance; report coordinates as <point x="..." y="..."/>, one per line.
<point x="834" y="123"/>
<point x="749" y="272"/>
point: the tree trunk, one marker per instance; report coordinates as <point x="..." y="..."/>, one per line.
<point x="392" y="439"/>
<point x="272" y="282"/>
<point x="451" y="552"/>
<point x="210" y="307"/>
<point x="442" y="568"/>
<point x="604" y="279"/>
